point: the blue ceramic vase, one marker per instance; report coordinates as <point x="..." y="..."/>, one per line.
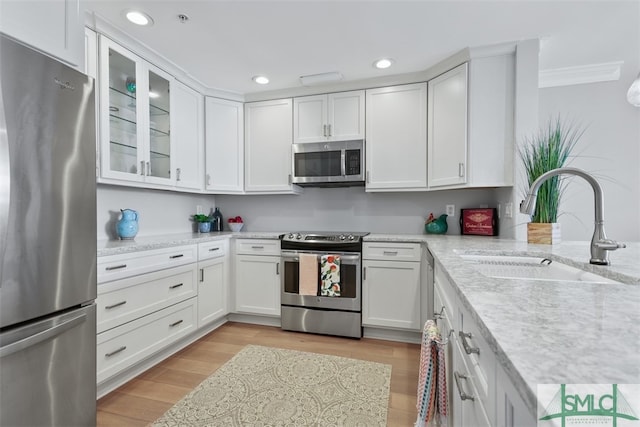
<point x="127" y="226"/>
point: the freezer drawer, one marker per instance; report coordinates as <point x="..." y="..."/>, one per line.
<point x="48" y="371"/>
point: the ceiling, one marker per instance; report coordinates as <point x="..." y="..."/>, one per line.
<point x="225" y="43"/>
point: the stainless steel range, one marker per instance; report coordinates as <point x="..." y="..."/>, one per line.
<point x="322" y="283"/>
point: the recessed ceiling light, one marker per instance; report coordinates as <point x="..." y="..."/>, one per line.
<point x="139" y="18"/>
<point x="261" y="80"/>
<point x="383" y="63"/>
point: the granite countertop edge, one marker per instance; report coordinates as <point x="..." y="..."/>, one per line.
<point x="116" y="247"/>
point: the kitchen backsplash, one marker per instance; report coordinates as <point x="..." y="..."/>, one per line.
<point x="323" y="209"/>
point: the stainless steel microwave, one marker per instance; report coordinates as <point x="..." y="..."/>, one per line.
<point x="332" y="163"/>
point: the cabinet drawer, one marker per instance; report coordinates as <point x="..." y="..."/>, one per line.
<point x="215" y="249"/>
<point x="258" y="247"/>
<point x="448" y="298"/>
<point x="390" y="251"/>
<point x="121" y="347"/>
<point x="114" y="267"/>
<point x="481" y="361"/>
<point x="467" y="412"/>
<point x="124" y="300"/>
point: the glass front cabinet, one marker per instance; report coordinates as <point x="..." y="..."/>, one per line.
<point x="135" y="108"/>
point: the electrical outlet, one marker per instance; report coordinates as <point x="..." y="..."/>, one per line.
<point x="508" y="210"/>
<point x="451" y="210"/>
<point x="199" y="209"/>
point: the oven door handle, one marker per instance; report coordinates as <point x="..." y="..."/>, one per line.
<point x="296" y="258"/>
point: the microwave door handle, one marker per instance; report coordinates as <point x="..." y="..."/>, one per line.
<point x="343" y="167"/>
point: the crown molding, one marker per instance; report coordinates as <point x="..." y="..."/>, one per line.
<point x="592" y="73"/>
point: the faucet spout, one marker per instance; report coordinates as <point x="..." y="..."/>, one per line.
<point x="600" y="245"/>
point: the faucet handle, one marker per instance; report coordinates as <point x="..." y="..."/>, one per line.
<point x="609" y="245"/>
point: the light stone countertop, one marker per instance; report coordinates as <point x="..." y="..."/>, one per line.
<point x="546" y="332"/>
<point x="113" y="247"/>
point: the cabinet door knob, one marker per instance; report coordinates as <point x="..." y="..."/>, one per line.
<point x="141" y="167"/>
<point x="461" y="170"/>
<point x="177" y="174"/>
<point x="324" y="130"/>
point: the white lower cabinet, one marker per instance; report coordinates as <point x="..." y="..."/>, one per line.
<point x="122" y="347"/>
<point x="391" y="285"/>
<point x="257" y="277"/>
<point x="471" y="364"/>
<point x="467" y="408"/>
<point x="511" y="411"/>
<point x="147" y="301"/>
<point x="212" y="281"/>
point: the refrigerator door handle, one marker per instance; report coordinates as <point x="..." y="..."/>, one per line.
<point x="5" y="180"/>
<point x="45" y="335"/>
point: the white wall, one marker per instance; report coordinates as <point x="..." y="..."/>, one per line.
<point x="350" y="209"/>
<point x="160" y="212"/>
<point x="609" y="148"/>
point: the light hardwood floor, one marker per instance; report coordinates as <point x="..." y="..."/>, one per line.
<point x="146" y="397"/>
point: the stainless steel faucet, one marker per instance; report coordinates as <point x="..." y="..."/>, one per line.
<point x="600" y="245"/>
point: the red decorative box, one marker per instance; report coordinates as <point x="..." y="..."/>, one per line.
<point x="481" y="222"/>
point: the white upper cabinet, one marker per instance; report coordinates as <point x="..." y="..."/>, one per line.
<point x="53" y="27"/>
<point x="332" y="117"/>
<point x="447" y="125"/>
<point x="268" y="139"/>
<point x="187" y="119"/>
<point x="396" y="127"/>
<point x="224" y="146"/>
<point x="471" y="117"/>
<point x="135" y="118"/>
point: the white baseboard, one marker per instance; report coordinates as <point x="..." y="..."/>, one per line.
<point x="392" y="335"/>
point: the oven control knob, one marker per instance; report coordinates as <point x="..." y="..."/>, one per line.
<point x="298" y="236"/>
<point x="342" y="237"/>
<point x="291" y="235"/>
<point x="350" y="237"/>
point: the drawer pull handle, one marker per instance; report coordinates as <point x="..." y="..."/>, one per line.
<point x="439" y="315"/>
<point x="390" y="252"/>
<point x="214" y="249"/>
<point x="176" y="323"/>
<point x="467" y="348"/>
<point x="257" y="247"/>
<point x="463" y="395"/>
<point x="115" y="267"/>
<point x="113" y="353"/>
<point x="277" y="269"/>
<point x="176" y="256"/>
<point x="176" y="286"/>
<point x="118" y="304"/>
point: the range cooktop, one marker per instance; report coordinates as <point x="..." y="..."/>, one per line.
<point x="324" y="236"/>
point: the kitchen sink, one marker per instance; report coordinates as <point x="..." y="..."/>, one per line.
<point x="530" y="268"/>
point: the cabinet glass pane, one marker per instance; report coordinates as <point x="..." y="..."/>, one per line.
<point x="159" y="131"/>
<point x="123" y="141"/>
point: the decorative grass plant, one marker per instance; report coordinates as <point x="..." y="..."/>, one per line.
<point x="549" y="149"/>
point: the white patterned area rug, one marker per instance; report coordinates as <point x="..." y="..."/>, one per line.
<point x="265" y="386"/>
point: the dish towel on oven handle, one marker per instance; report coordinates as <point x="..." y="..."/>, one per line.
<point x="330" y="275"/>
<point x="432" y="380"/>
<point x="308" y="273"/>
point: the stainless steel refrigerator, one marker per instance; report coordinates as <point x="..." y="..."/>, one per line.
<point x="47" y="241"/>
